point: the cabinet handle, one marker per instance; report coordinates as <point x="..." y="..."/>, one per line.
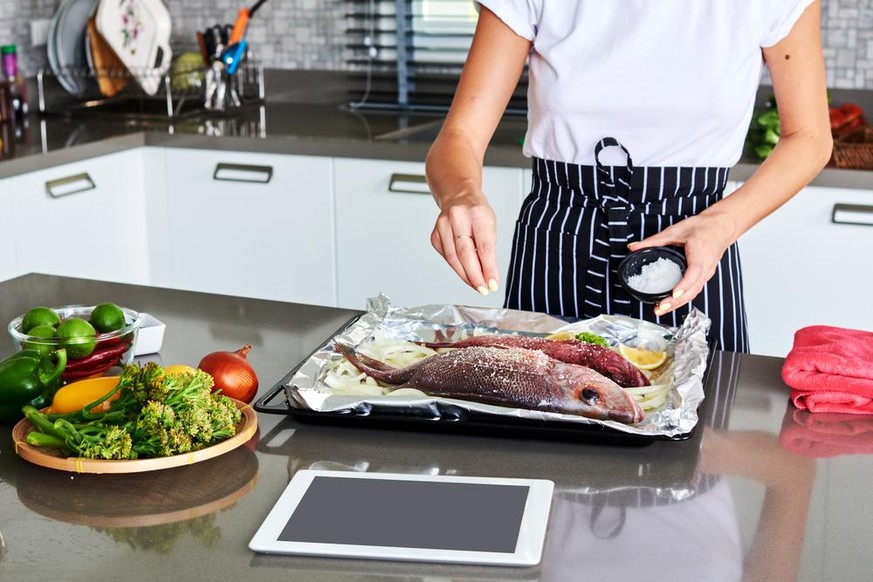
<point x="408" y="184"/>
<point x="69" y="185"/>
<point x="242" y="173"/>
<point x="852" y="214"/>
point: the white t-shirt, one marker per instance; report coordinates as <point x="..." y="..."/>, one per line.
<point x="673" y="80"/>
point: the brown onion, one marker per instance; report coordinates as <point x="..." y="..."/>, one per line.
<point x="232" y="373"/>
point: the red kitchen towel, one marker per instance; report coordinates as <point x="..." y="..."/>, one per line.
<point x="830" y="369"/>
<point x="826" y="434"/>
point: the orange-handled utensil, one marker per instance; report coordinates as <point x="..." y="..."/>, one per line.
<point x="242" y="21"/>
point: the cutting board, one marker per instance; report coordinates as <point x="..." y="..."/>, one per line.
<point x="138" y="32"/>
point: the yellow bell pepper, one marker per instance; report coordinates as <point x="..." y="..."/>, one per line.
<point x="75" y="396"/>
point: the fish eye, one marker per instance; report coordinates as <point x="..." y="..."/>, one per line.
<point x="590" y="395"/>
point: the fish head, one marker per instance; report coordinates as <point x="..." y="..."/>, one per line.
<point x="607" y="402"/>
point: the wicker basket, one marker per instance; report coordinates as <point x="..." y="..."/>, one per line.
<point x="855" y="150"/>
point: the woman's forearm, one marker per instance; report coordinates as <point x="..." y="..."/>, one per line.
<point x="794" y="162"/>
<point x="453" y="167"/>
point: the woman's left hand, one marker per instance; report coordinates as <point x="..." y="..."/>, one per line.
<point x="705" y="237"/>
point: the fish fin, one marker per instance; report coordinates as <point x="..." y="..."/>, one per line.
<point x="371" y="367"/>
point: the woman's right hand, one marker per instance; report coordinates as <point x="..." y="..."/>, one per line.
<point x="465" y="234"/>
<point x="465" y="231"/>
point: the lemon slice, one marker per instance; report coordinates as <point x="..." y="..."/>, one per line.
<point x="642" y="359"/>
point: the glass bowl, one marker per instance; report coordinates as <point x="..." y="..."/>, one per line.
<point x="633" y="264"/>
<point x="114" y="348"/>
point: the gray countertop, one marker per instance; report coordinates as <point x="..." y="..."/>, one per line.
<point x="306" y="113"/>
<point x="734" y="500"/>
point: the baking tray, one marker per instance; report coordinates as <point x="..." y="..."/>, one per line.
<point x="453" y="419"/>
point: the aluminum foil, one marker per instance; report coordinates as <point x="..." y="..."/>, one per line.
<point x="686" y="347"/>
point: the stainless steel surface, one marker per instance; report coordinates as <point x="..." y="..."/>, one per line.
<point x="752" y="509"/>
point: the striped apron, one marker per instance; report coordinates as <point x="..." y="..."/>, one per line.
<point x="574" y="228"/>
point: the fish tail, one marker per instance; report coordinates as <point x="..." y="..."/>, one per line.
<point x="374" y="368"/>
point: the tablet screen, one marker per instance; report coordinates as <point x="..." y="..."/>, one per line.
<point x="412" y="514"/>
<point x="430" y="518"/>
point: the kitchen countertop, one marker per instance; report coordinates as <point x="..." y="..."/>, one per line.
<point x="306" y="113"/>
<point x="731" y="501"/>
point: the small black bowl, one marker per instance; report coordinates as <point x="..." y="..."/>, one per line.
<point x="633" y="263"/>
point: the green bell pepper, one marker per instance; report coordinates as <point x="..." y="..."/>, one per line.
<point x="29" y="378"/>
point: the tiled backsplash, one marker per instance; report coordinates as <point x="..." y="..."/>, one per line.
<point x="308" y="34"/>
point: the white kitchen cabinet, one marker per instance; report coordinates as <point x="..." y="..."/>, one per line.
<point x="385" y="214"/>
<point x="806" y="265"/>
<point x="8" y="253"/>
<point x="84" y="219"/>
<point x="253" y="225"/>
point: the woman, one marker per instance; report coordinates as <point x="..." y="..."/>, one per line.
<point x="636" y="112"/>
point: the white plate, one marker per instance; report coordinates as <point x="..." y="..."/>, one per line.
<point x="71" y="34"/>
<point x="139" y="33"/>
<point x="52" y="43"/>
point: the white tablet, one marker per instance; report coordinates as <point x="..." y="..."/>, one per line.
<point x="428" y="518"/>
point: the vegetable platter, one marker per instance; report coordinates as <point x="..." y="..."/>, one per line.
<point x="54" y="459"/>
<point x="326" y="388"/>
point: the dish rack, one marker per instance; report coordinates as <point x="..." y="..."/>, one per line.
<point x="189" y="92"/>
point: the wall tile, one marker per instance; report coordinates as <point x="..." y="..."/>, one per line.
<point x="308" y="34"/>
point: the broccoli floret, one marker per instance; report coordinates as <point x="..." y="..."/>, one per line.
<point x="592" y="338"/>
<point x="156" y="415"/>
<point x="113" y="443"/>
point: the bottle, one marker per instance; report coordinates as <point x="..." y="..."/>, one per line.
<point x="16" y="90"/>
<point x="5" y="112"/>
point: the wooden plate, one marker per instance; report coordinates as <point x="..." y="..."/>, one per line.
<point x="53" y="459"/>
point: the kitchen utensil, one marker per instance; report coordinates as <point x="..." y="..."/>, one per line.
<point x="633" y="263"/>
<point x="204" y="49"/>
<point x="242" y="21"/>
<point x="214" y="98"/>
<point x="139" y="33"/>
<point x="233" y="55"/>
<point x="110" y="72"/>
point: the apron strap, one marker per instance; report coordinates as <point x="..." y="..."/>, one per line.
<point x="614" y="203"/>
<point x="604" y="176"/>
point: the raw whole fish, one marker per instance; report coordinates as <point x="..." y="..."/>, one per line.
<point x="514" y="377"/>
<point x="571" y="351"/>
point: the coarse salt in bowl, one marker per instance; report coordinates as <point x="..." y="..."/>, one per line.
<point x="650" y="274"/>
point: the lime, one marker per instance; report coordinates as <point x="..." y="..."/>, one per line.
<point x="39" y="316"/>
<point x="44" y="347"/>
<point x="77" y="335"/>
<point x="107" y="317"/>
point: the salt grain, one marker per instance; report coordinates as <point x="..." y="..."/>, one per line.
<point x="656" y="277"/>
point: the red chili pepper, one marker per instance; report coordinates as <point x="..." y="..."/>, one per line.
<point x="99" y="360"/>
<point x="71" y="375"/>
